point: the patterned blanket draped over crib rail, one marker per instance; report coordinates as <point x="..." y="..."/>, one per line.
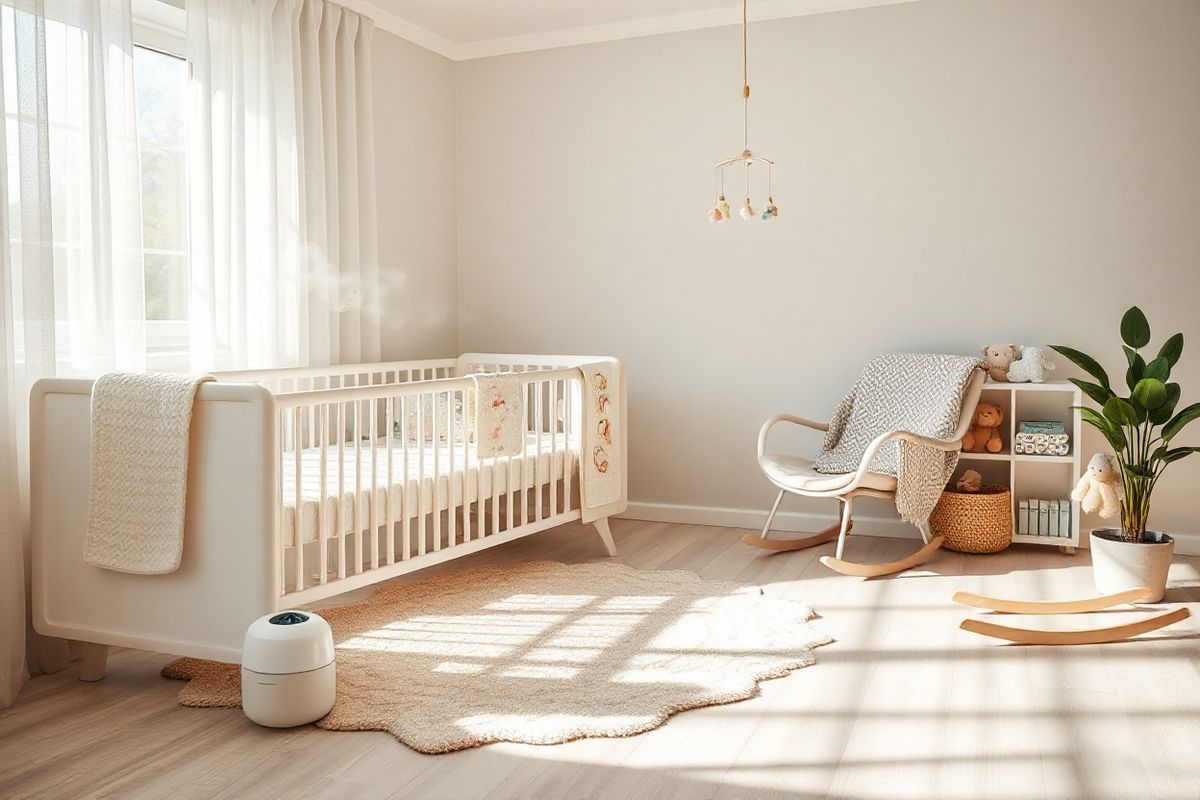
<point x="917" y="392"/>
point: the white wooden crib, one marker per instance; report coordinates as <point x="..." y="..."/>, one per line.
<point x="303" y="484"/>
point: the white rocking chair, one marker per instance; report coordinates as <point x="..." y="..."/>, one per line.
<point x="797" y="475"/>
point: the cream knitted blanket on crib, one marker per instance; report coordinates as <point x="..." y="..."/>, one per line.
<point x="140" y="428"/>
<point x="917" y="392"/>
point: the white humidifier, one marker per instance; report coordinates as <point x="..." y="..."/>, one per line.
<point x="288" y="669"/>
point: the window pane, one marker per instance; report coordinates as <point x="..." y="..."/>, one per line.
<point x="163" y="203"/>
<point x="166" y="286"/>
<point x="161" y="83"/>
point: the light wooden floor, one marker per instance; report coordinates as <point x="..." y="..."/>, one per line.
<point x="903" y="705"/>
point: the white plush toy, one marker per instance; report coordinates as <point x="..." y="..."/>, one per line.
<point x="1100" y="487"/>
<point x="1031" y="367"/>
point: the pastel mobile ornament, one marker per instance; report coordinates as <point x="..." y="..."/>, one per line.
<point x="747" y="213"/>
<point x="714" y="214"/>
<point x="770" y="212"/>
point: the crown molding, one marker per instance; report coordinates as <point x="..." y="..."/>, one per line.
<point x="386" y="20"/>
<point x="760" y="11"/>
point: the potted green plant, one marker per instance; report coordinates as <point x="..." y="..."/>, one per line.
<point x="1140" y="428"/>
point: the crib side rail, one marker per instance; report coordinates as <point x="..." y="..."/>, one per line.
<point x="380" y="479"/>
<point x="294" y="379"/>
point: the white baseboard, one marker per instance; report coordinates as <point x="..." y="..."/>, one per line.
<point x="1186" y="544"/>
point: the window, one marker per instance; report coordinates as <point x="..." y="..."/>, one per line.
<point x="160" y="81"/>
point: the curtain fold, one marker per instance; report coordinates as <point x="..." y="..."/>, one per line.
<point x="282" y="206"/>
<point x="71" y="285"/>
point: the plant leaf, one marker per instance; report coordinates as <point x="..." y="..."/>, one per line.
<point x="1159" y="368"/>
<point x="1172" y="349"/>
<point x="1177" y="453"/>
<point x="1150" y="393"/>
<point x="1084" y="362"/>
<point x="1114" y="435"/>
<point x="1137" y="470"/>
<point x="1093" y="390"/>
<point x="1178" y="421"/>
<point x="1135" y="328"/>
<point x="1137" y="368"/>
<point x="1120" y="411"/>
<point x="1163" y="413"/>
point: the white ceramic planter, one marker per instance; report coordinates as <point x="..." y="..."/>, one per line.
<point x="1119" y="565"/>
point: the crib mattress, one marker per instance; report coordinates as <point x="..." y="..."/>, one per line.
<point x="412" y="492"/>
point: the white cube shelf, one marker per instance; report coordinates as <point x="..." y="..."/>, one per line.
<point x="1033" y="476"/>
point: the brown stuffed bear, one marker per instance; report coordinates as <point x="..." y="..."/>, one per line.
<point x="984" y="432"/>
<point x="998" y="358"/>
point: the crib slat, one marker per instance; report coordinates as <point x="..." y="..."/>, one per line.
<point x="281" y="566"/>
<point x="525" y="474"/>
<point x="405" y="505"/>
<point x="421" y="474"/>
<point x="340" y="511"/>
<point x="537" y="460"/>
<point x="390" y="405"/>
<point x="451" y="524"/>
<point x="568" y="391"/>
<point x="553" y="447"/>
<point x="299" y="455"/>
<point x="322" y="534"/>
<point x="373" y="508"/>
<point x="437" y="477"/>
<point x="356" y="513"/>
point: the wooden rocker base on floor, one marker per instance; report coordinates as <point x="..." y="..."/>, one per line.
<point x="887" y="568"/>
<point x="1050" y="606"/>
<point x="1114" y="633"/>
<point x="783" y="545"/>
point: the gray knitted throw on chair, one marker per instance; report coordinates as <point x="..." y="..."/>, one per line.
<point x="917" y="392"/>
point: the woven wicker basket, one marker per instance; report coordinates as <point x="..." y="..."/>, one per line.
<point x="974" y="522"/>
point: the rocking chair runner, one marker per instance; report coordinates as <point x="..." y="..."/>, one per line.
<point x="798" y="475"/>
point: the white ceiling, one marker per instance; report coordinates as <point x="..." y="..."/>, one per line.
<point x="462" y="29"/>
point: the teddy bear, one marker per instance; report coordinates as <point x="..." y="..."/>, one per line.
<point x="1100" y="487"/>
<point x="998" y="358"/>
<point x="970" y="481"/>
<point x="984" y="432"/>
<point x="1032" y="366"/>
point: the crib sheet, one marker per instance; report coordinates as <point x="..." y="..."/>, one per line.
<point x="414" y="490"/>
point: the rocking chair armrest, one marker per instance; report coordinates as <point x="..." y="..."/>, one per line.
<point x="770" y="423"/>
<point x="864" y="466"/>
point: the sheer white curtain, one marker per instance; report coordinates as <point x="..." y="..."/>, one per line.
<point x="71" y="296"/>
<point x="282" y="193"/>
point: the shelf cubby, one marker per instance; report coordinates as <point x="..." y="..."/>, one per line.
<point x="1033" y="476"/>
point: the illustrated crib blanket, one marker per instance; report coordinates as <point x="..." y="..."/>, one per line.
<point x="499" y="418"/>
<point x="139" y="461"/>
<point x="917" y="392"/>
<point x="600" y="471"/>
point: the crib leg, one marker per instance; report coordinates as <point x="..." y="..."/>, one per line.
<point x="841" y="545"/>
<point x="95" y="659"/>
<point x="601" y="526"/>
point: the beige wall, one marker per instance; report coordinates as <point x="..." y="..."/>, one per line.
<point x="936" y="161"/>
<point x="414" y="143"/>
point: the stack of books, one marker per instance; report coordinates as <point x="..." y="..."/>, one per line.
<point x="1050" y="518"/>
<point x="1042" y="438"/>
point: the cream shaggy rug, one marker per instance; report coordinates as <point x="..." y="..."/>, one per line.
<point x="541" y="653"/>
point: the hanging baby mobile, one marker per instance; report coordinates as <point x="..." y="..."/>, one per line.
<point x="720" y="210"/>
